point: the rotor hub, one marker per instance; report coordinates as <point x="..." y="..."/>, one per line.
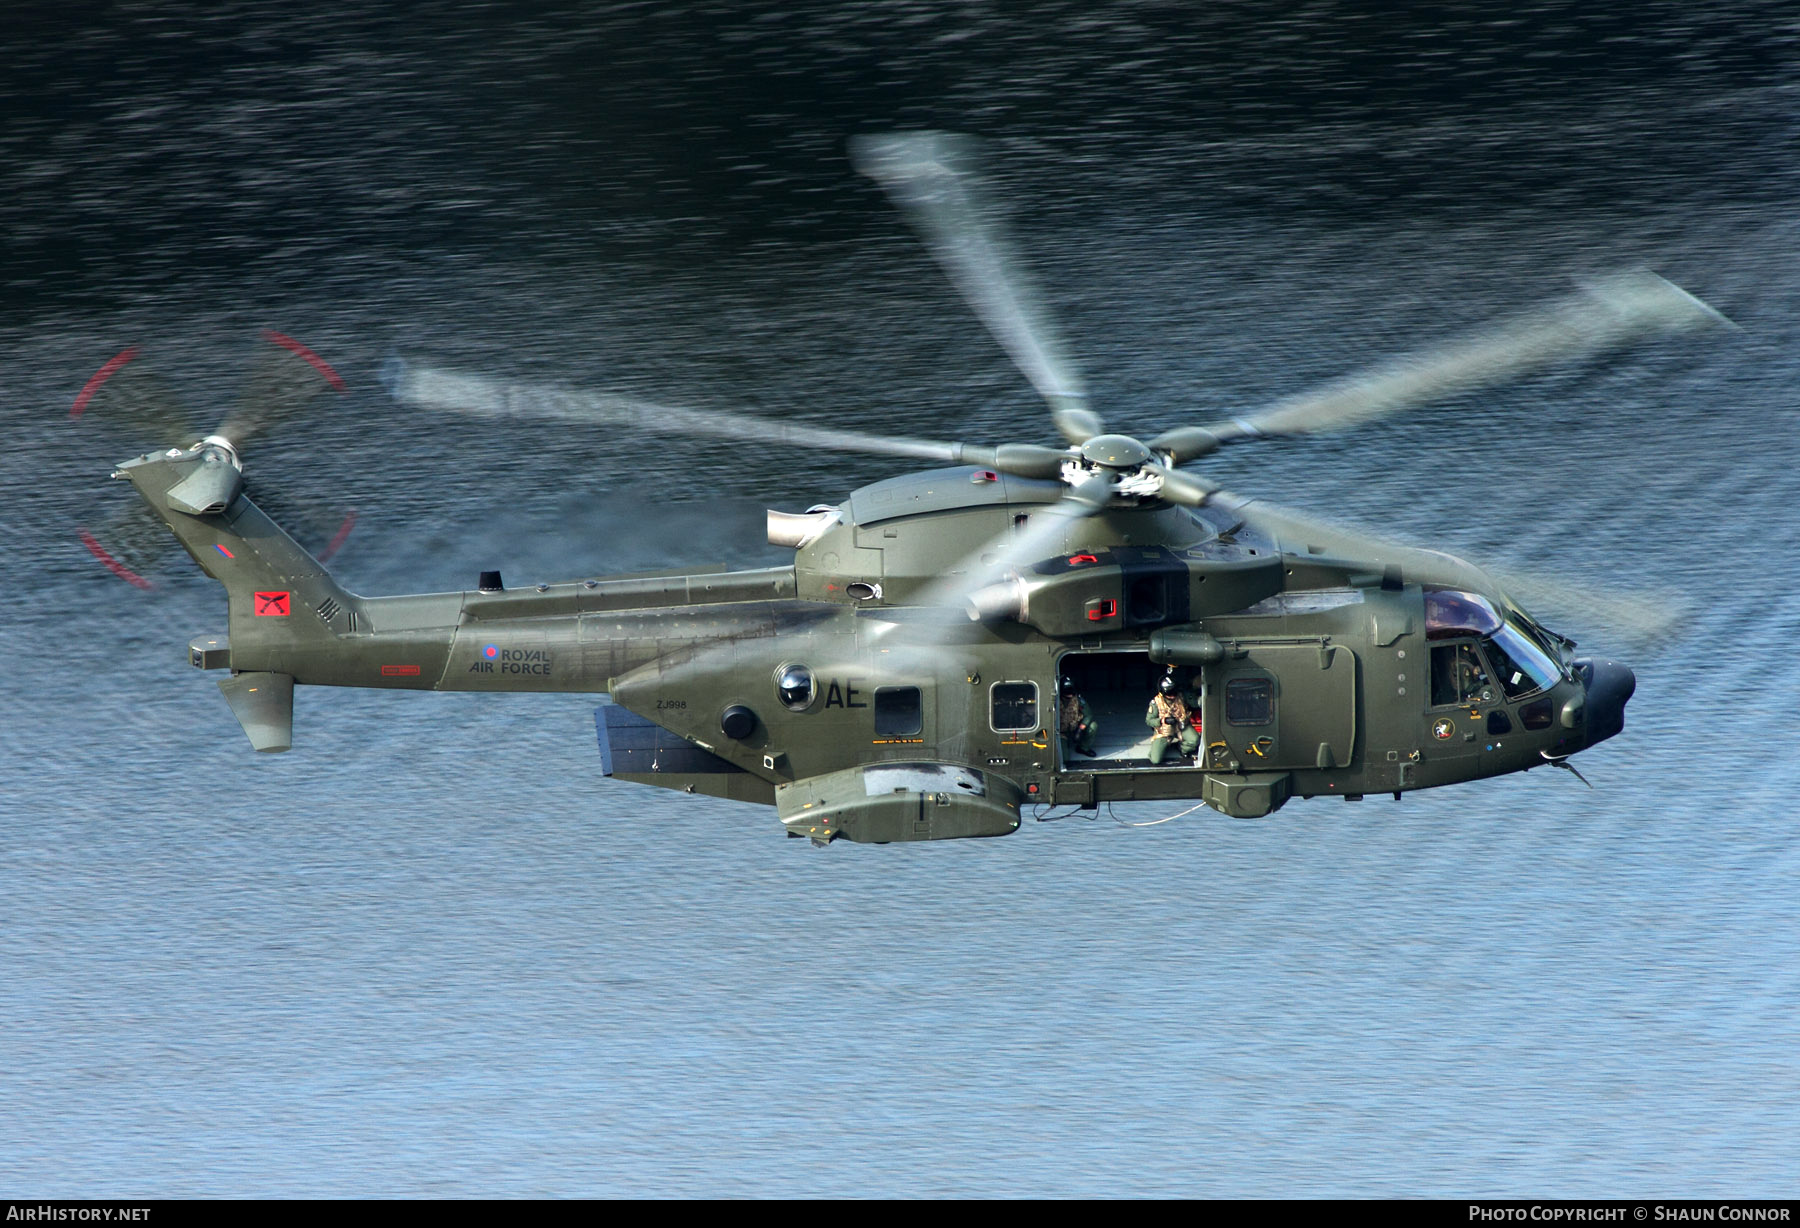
<point x="1115" y="452"/>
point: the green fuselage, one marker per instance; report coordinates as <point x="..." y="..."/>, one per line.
<point x="1314" y="668"/>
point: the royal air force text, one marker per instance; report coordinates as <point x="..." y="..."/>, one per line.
<point x="515" y="661"/>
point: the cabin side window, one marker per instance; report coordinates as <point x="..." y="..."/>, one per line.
<point x="1249" y="701"/>
<point x="898" y="711"/>
<point x="795" y="686"/>
<point x="1015" y="706"/>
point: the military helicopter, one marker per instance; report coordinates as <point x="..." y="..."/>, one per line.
<point x="904" y="677"/>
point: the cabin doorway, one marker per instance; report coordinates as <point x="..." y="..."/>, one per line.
<point x="1118" y="687"/>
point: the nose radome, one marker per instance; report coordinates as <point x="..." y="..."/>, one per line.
<point x="1610" y="686"/>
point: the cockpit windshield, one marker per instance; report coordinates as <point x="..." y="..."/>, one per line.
<point x="1555" y="647"/>
<point x="1522" y="665"/>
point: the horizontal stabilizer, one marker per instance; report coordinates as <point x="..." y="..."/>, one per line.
<point x="264" y="706"/>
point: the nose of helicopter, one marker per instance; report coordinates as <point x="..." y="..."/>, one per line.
<point x="1609" y="686"/>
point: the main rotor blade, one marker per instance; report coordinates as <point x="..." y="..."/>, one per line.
<point x="1188" y="490"/>
<point x="928" y="175"/>
<point x="1643" y="614"/>
<point x="479" y="397"/>
<point x="1605" y="314"/>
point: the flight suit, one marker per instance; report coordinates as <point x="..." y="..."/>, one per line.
<point x="1175" y="711"/>
<point x="1077" y="725"/>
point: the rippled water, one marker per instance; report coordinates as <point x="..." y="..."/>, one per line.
<point x="433" y="951"/>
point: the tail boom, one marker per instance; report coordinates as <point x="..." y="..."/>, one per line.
<point x="292" y="623"/>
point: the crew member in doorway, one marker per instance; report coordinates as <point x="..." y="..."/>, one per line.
<point x="1192" y="695"/>
<point x="1076" y="721"/>
<point x="1171" y="720"/>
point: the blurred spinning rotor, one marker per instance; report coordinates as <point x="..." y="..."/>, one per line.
<point x="929" y="176"/>
<point x="131" y="403"/>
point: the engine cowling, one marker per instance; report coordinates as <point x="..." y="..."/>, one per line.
<point x="1126" y="587"/>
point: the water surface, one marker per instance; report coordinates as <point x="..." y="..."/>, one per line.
<point x="433" y="951"/>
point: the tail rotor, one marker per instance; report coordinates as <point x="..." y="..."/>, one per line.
<point x="126" y="399"/>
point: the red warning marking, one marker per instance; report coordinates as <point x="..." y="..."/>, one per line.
<point x="1076" y="560"/>
<point x="399" y="671"/>
<point x="271" y="605"/>
<point x="319" y="364"/>
<point x="113" y="565"/>
<point x="100" y="377"/>
<point x="337" y="541"/>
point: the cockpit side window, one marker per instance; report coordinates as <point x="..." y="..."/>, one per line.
<point x="1458" y="675"/>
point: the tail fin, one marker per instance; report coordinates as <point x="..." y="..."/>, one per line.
<point x="286" y="610"/>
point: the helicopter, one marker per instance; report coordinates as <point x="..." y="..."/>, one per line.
<point x="911" y="673"/>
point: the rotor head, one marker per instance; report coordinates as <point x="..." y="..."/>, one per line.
<point x="1120" y="452"/>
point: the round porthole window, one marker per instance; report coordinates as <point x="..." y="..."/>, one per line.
<point x="794" y="684"/>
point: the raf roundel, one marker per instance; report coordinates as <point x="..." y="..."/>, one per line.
<point x="491" y="651"/>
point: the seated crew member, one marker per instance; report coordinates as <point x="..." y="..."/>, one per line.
<point x="1172" y="720"/>
<point x="1075" y="721"/>
<point x="1471" y="678"/>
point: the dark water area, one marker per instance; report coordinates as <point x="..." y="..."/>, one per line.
<point x="433" y="951"/>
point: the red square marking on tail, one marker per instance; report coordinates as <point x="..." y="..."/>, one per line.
<point x="271" y="605"/>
